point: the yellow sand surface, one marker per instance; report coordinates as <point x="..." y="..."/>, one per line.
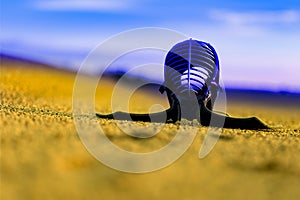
<point x="42" y="156"/>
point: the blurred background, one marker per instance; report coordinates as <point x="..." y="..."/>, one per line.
<point x="258" y="42"/>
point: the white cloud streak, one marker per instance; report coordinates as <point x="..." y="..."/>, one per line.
<point x="84" y="5"/>
<point x="256" y="17"/>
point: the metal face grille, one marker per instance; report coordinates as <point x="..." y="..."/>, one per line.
<point x="197" y="67"/>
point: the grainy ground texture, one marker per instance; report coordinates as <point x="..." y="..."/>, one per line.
<point x="42" y="156"/>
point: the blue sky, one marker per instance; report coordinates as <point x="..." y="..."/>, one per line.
<point x="258" y="41"/>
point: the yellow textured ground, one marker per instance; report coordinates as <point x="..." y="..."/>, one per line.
<point x="42" y="156"/>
